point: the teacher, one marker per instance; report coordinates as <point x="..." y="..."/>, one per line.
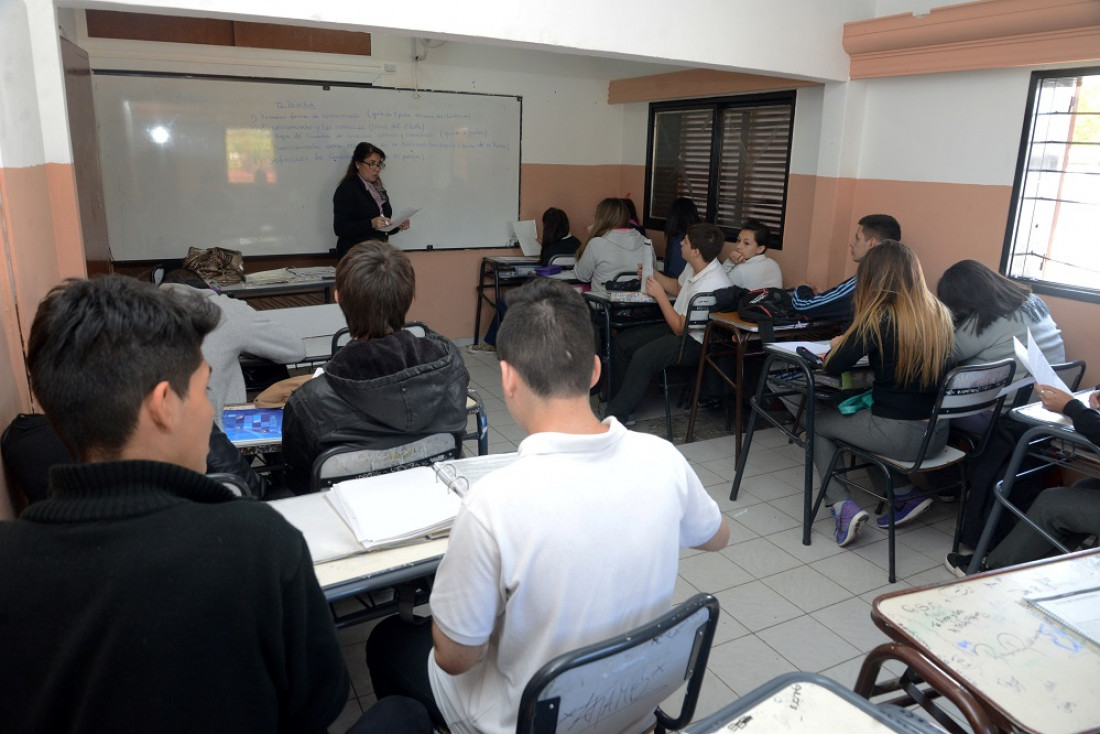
<point x="361" y="207"/>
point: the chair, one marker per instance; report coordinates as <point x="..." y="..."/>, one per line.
<point x="343" y="336"/>
<point x="966" y="390"/>
<point x="1070" y="372"/>
<point x="617" y="684"/>
<point x="1036" y="440"/>
<point x="351" y="461"/>
<point x="475" y="407"/>
<point x="566" y="261"/>
<point x="698" y="314"/>
<point x="233" y="483"/>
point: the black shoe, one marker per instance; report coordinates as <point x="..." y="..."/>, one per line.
<point x="957" y="563"/>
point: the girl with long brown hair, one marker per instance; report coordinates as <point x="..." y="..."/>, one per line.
<point x="906" y="334"/>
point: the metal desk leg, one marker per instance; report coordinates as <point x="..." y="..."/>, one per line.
<point x="699" y="382"/>
<point x="480" y="295"/>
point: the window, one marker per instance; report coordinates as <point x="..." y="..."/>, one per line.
<point x="1051" y="239"/>
<point x="730" y="156"/>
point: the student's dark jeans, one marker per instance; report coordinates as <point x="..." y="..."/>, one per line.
<point x="397" y="658"/>
<point x="638" y="354"/>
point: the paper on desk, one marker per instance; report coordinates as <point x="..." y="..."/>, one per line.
<point x="647" y="262"/>
<point x="1037" y="364"/>
<point x="400" y="218"/>
<point x="527" y="236"/>
<point x="818" y="348"/>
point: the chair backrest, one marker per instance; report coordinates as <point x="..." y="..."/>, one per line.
<point x="1071" y="373"/>
<point x="967" y="390"/>
<point x="566" y="261"/>
<point x="351" y="461"/>
<point x="973" y="389"/>
<point x="232" y="482"/>
<point x="698" y="314"/>
<point x="619" y="683"/>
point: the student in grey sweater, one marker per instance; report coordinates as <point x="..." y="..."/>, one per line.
<point x="989" y="310"/>
<point x="242" y="330"/>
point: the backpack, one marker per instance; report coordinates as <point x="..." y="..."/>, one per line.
<point x="768" y="307"/>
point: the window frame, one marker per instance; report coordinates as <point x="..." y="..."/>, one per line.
<point x="1041" y="287"/>
<point x="717" y="106"/>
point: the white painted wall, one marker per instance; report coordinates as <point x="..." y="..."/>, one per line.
<point x="960" y="127"/>
<point x="32" y="110"/>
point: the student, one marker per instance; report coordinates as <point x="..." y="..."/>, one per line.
<point x="989" y="310"/>
<point x="1069" y="514"/>
<point x="241" y="330"/>
<point x="633" y="221"/>
<point x="387" y="386"/>
<point x="140" y="594"/>
<point x="905" y="333"/>
<point x="556" y="240"/>
<point x="556" y="237"/>
<point x="642" y="351"/>
<point x="518" y="585"/>
<point x="682" y="213"/>
<point x="612" y="248"/>
<point x="836" y="303"/>
<point x="749" y="266"/>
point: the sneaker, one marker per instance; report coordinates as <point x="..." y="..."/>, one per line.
<point x="630" y="419"/>
<point x="849" y="519"/>
<point x="906" y="510"/>
<point x="957" y="563"/>
<point x="480" y="348"/>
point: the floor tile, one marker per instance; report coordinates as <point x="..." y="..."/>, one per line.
<point x="760" y="557"/>
<point x="851" y="619"/>
<point x="806" y="588"/>
<point x="767" y="488"/>
<point x="757" y="606"/>
<point x="808" y="644"/>
<point x="821" y="546"/>
<point x="852" y="571"/>
<point x="763" y="519"/>
<point x="746" y="663"/>
<point x="713" y="572"/>
<point x="709" y="478"/>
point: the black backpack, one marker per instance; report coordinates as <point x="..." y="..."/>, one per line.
<point x="768" y="307"/>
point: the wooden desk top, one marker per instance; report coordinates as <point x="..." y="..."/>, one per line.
<point x="1038" y="673"/>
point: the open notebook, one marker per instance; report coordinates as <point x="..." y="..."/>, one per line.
<point x="386" y="510"/>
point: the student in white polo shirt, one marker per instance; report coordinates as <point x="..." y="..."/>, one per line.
<point x="748" y="266"/>
<point x="641" y="352"/>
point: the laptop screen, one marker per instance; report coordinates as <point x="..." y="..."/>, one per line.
<point x="253" y="426"/>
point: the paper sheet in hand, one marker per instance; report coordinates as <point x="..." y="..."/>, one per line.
<point x="528" y="237"/>
<point x="400" y="218"/>
<point x="391" y="508"/>
<point x="1037" y="364"/>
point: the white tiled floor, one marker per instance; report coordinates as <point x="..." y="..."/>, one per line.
<point x="785" y="606"/>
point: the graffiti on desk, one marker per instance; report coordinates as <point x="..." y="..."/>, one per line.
<point x="987" y="634"/>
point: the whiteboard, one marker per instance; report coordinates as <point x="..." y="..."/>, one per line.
<point x="252" y="164"/>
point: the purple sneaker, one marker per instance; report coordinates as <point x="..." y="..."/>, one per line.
<point x="906" y="510"/>
<point x="849" y="519"/>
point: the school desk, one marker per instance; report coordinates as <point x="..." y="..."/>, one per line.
<point x="497" y="274"/>
<point x="295" y="284"/>
<point x="807" y="702"/>
<point x="741" y="332"/>
<point x="1031" y="671"/>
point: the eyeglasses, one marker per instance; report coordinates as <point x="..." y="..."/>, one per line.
<point x="375" y="165"/>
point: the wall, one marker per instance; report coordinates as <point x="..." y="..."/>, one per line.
<point x="39" y="226"/>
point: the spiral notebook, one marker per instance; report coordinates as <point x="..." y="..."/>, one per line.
<point x="387" y="510"/>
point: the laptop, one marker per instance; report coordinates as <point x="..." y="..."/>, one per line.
<point x="253" y="426"/>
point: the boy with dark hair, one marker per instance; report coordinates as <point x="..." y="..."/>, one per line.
<point x="523" y="544"/>
<point x="748" y="265"/>
<point x="836" y="303"/>
<point x="140" y="592"/>
<point x="387" y="386"/>
<point x="641" y="352"/>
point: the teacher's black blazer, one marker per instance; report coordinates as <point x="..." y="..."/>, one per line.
<point x="353" y="208"/>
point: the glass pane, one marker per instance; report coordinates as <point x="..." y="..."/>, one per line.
<point x="681" y="159"/>
<point x="752" y="176"/>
